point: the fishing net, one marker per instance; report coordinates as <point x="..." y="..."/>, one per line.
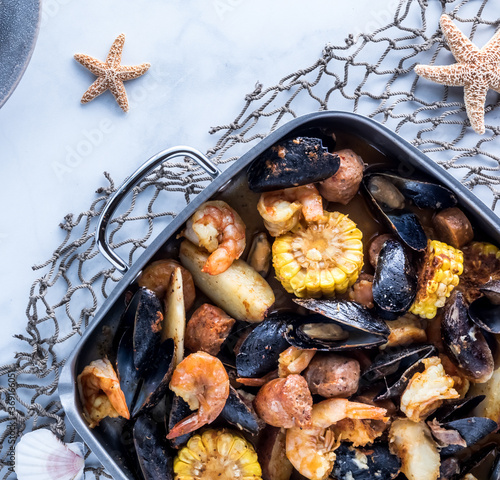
<point x="371" y="74"/>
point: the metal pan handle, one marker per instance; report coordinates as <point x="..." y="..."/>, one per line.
<point x="130" y="182"/>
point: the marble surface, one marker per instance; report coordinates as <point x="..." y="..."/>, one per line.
<point x="205" y="55"/>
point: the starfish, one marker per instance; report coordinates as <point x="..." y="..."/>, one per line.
<point x="110" y="74"/>
<point x="477" y="70"/>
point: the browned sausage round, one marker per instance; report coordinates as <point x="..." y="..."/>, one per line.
<point x="284" y="402"/>
<point x="362" y="291"/>
<point x="375" y="246"/>
<point x="453" y="227"/>
<point x="342" y="186"/>
<point x="207" y="329"/>
<point x="157" y="276"/>
<point x="332" y="375"/>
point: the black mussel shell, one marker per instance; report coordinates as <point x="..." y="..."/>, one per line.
<point x="403" y="223"/>
<point x="152" y="452"/>
<point x="423" y="194"/>
<point x="147" y="329"/>
<point x="155" y="383"/>
<point x="365" y="463"/>
<point x="476" y="459"/>
<point x="455" y="409"/>
<point x="327" y="335"/>
<point x="495" y="469"/>
<point x="238" y="413"/>
<point x="463" y="341"/>
<point x="179" y="410"/>
<point x="471" y="429"/>
<point x="291" y="163"/>
<point x="260" y="351"/>
<point x="485" y="311"/>
<point x="397" y="368"/>
<point x="394" y="282"/>
<point x="129" y="378"/>
<point x="348" y="314"/>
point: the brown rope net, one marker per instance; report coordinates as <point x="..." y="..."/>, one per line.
<point x="75" y="280"/>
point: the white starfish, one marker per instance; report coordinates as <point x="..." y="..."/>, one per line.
<point x="477" y="70"/>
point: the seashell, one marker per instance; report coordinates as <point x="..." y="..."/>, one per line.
<point x="41" y="455"/>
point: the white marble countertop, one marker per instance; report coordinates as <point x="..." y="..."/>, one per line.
<point x="205" y="56"/>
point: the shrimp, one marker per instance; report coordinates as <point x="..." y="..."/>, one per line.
<point x="281" y="209"/>
<point x="202" y="381"/>
<point x="294" y="360"/>
<point x="310" y="449"/>
<point x="284" y="402"/>
<point x="216" y="227"/>
<point x="100" y="393"/>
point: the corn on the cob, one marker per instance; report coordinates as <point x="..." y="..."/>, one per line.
<point x="481" y="264"/>
<point x="439" y="276"/>
<point x="323" y="258"/>
<point x="217" y="454"/>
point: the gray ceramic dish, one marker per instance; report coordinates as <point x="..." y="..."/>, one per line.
<point x="109" y="442"/>
<point x="19" y="25"/>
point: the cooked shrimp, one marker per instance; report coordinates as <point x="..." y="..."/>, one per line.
<point x="310" y="449"/>
<point x="294" y="360"/>
<point x="284" y="402"/>
<point x="202" y="381"/>
<point x="216" y="227"/>
<point x="281" y="209"/>
<point x="100" y="393"/>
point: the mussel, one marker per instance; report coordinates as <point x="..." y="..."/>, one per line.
<point x="337" y="325"/>
<point x="394" y="282"/>
<point x="259" y="352"/>
<point x="365" y="463"/>
<point x="485" y="311"/>
<point x="152" y="452"/>
<point x="456" y="409"/>
<point x="239" y="413"/>
<point x="397" y="368"/>
<point x="179" y="409"/>
<point x="291" y="163"/>
<point x="464" y="343"/>
<point x="391" y="195"/>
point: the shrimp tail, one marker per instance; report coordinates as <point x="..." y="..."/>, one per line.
<point x="186" y="425"/>
<point x="362" y="411"/>
<point x="218" y="262"/>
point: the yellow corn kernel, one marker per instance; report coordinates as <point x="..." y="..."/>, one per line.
<point x="439" y="275"/>
<point x="328" y="256"/>
<point x="217" y="454"/>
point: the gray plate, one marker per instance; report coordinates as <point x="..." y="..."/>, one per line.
<point x="109" y="442"/>
<point x="19" y="24"/>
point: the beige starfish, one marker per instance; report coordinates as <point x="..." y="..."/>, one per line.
<point x="110" y="74"/>
<point x="477" y="70"/>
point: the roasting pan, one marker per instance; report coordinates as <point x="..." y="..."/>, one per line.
<point x="109" y="442"/>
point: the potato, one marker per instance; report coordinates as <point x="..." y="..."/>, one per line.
<point x="174" y="322"/>
<point x="413" y="444"/>
<point x="272" y="455"/>
<point x="240" y="291"/>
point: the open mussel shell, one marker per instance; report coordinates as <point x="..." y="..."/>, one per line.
<point x="365" y="463"/>
<point x="144" y="391"/>
<point x="179" y="409"/>
<point x="402" y="222"/>
<point x="238" y="413"/>
<point x="394" y="282"/>
<point x="485" y="311"/>
<point x="291" y="163"/>
<point x="464" y="343"/>
<point x="456" y="409"/>
<point x="152" y="451"/>
<point x="471" y="429"/>
<point x="397" y="368"/>
<point x="476" y="461"/>
<point x="259" y="352"/>
<point x="146" y="314"/>
<point x="422" y="194"/>
<point x="337" y="326"/>
<point x="155" y="383"/>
